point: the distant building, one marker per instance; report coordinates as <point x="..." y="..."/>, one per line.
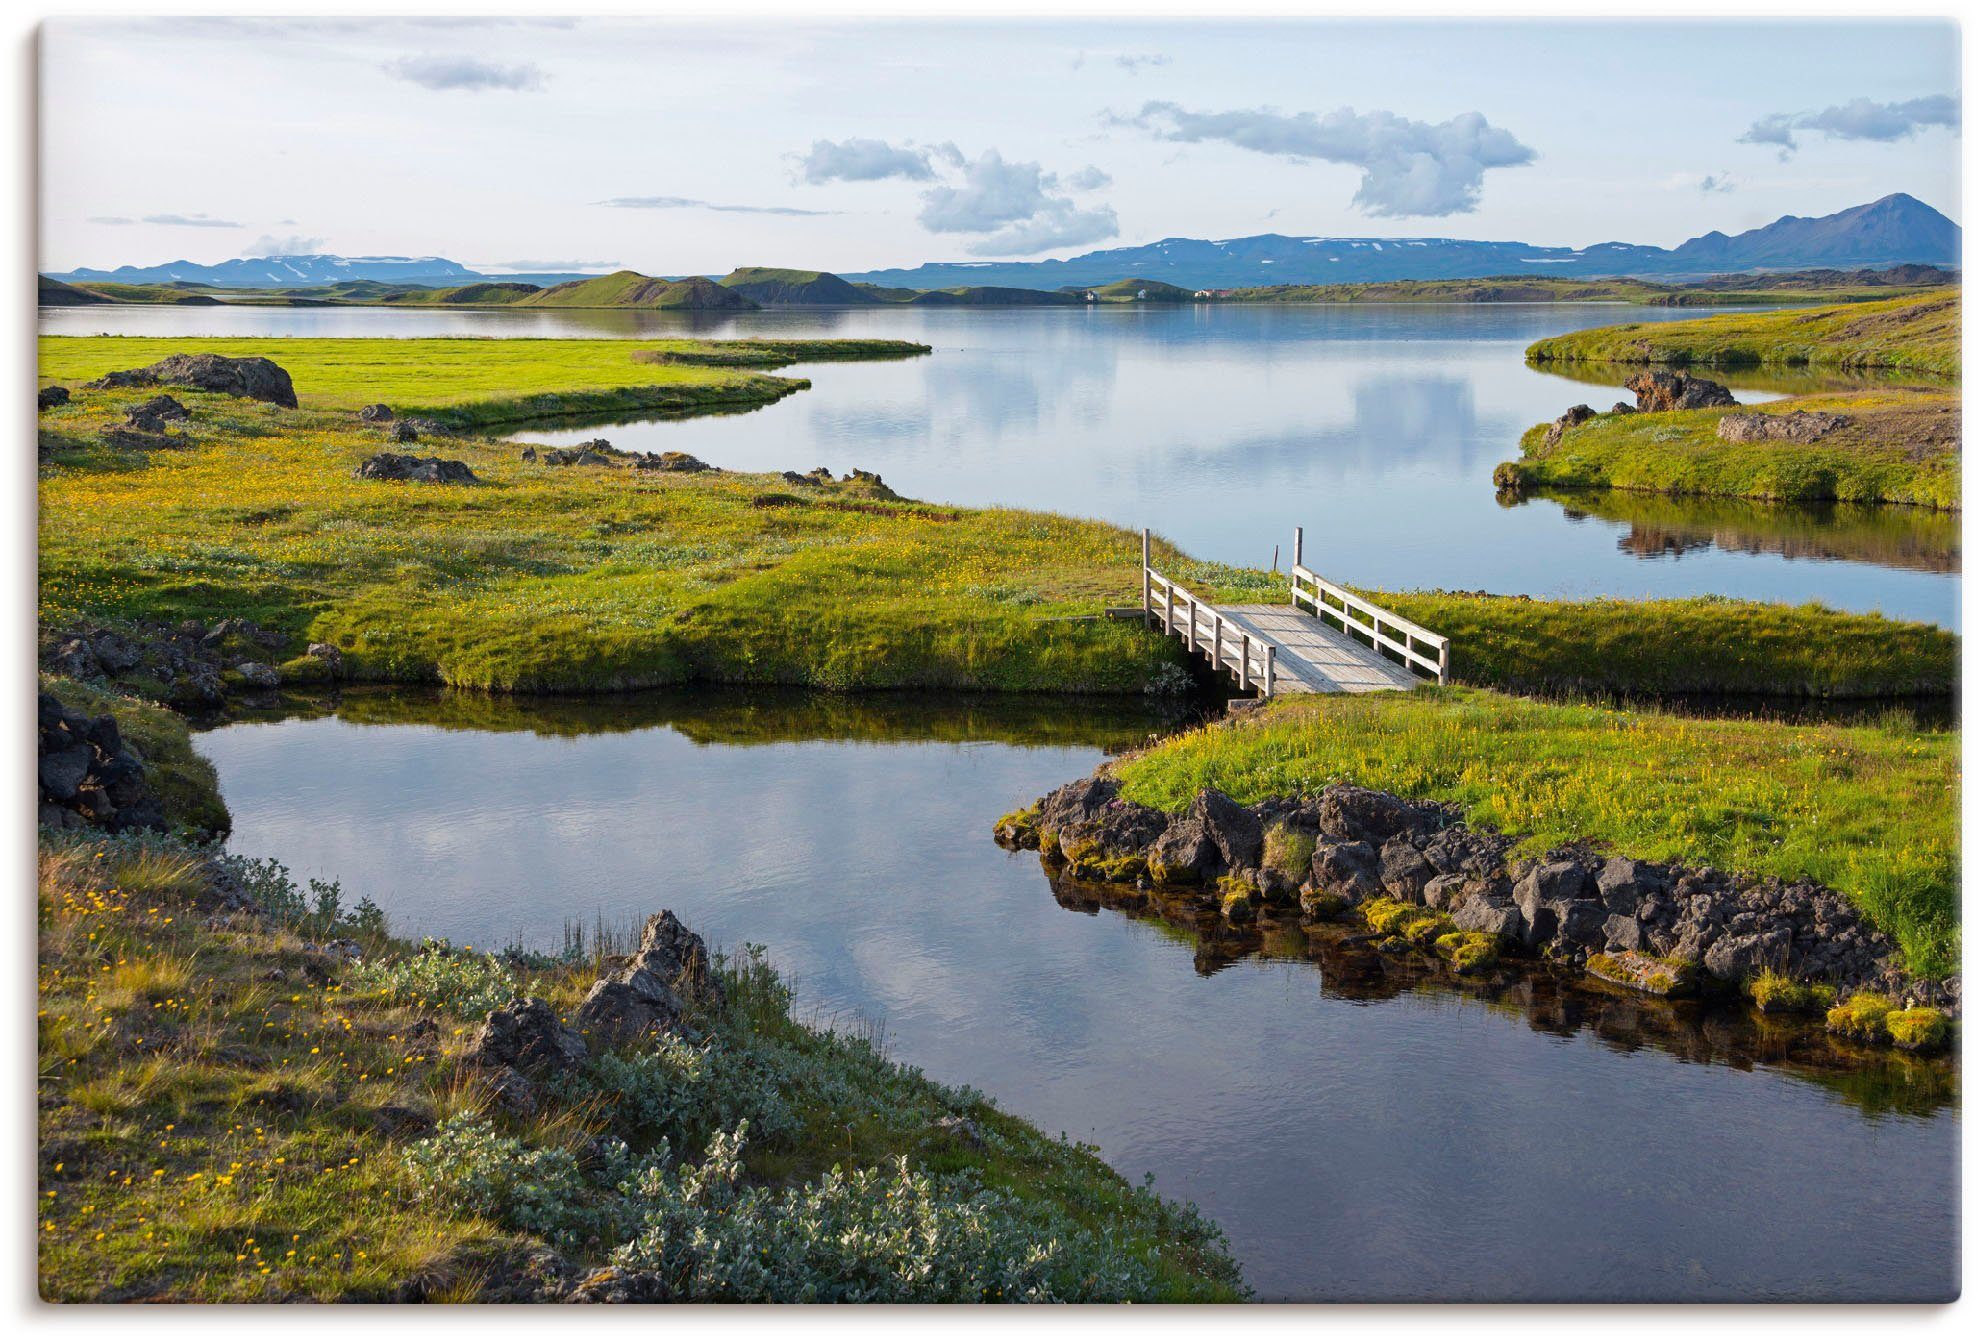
<point x="1091" y="296"/>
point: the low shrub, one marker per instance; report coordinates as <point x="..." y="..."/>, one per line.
<point x="462" y="982"/>
<point x="1919" y="1029"/>
<point x="1774" y="992"/>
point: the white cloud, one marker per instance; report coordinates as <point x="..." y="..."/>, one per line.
<point x="1408" y="168"/>
<point x="1717" y="183"/>
<point x="1019" y="209"/>
<point x="1088" y="177"/>
<point x="462" y="73"/>
<point x="168" y="221"/>
<point x="289" y="244"/>
<point x="864" y="160"/>
<point x="1861" y="119"/>
<point x="683" y="202"/>
<point x="1133" y="64"/>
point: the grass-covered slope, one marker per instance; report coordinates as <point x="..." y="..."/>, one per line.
<point x="469" y="382"/>
<point x="229" y="1113"/>
<point x="1917" y="334"/>
<point x="628" y="288"/>
<point x="795" y="288"/>
<point x="1898" y="446"/>
<point x="1870" y="811"/>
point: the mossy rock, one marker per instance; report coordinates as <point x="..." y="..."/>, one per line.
<point x="1412" y="924"/>
<point x="1468" y="951"/>
<point x="1018" y="830"/>
<point x="1239" y="905"/>
<point x="1394" y="945"/>
<point x="1319" y="904"/>
<point x="1862" y="1017"/>
<point x="1664" y="977"/>
<point x="1773" y="992"/>
<point x="1119" y="869"/>
<point x="1923" y="1030"/>
<point x="1173" y="875"/>
<point x="1288" y="851"/>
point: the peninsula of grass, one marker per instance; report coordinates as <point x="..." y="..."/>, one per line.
<point x="1871" y="811"/>
<point x="491" y="383"/>
<point x="228" y="1113"/>
<point x="592" y="578"/>
<point x="1916" y="334"/>
<point x="1896" y="447"/>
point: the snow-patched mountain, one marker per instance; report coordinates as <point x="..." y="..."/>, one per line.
<point x="1894" y="230"/>
<point x="286" y="271"/>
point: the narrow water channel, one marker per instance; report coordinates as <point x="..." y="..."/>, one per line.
<point x="1360" y="1133"/>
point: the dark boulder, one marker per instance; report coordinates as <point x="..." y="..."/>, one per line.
<point x="1661" y="392"/>
<point x="1235" y="830"/>
<point x="402" y="432"/>
<point x="51" y="397"/>
<point x="392" y="468"/>
<point x="1403" y="871"/>
<point x="1183" y="854"/>
<point x="248" y="378"/>
<point x="374" y="413"/>
<point x="574" y="455"/>
<point x="527" y="1036"/>
<point x="1349" y="868"/>
<point x="1350" y="813"/>
<point x="1565" y="422"/>
<point x="669" y="975"/>
<point x="87" y="775"/>
<point x="672" y="462"/>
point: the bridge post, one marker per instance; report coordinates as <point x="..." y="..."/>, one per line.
<point x="1146" y="585"/>
<point x="1298" y="546"/>
<point x="1270" y="669"/>
<point x="1442" y="664"/>
<point x="1243" y="665"/>
<point x="1167" y="614"/>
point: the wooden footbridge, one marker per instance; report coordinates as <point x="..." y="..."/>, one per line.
<point x="1327" y="639"/>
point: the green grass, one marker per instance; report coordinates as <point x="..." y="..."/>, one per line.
<point x="1871" y="811"/>
<point x="217" y="1123"/>
<point x="186" y="785"/>
<point x="550" y="579"/>
<point x="1902" y="446"/>
<point x="1916" y="334"/>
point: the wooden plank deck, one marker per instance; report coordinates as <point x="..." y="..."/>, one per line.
<point x="1312" y="657"/>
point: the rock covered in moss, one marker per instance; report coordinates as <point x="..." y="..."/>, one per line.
<point x="1662" y="392"/>
<point x="87" y="776"/>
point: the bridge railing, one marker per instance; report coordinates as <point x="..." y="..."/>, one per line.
<point x="1336" y="606"/>
<point x="1206" y="632"/>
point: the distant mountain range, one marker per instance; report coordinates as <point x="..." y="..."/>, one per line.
<point x="1897" y="229"/>
<point x="1893" y="230"/>
<point x="311" y="271"/>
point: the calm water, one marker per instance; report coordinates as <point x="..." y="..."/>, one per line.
<point x="1374" y="427"/>
<point x="1359" y="1135"/>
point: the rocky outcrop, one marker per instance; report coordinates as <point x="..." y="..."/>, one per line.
<point x="1660" y="392"/>
<point x="1569" y="905"/>
<point x="1566" y="422"/>
<point x="393" y="468"/>
<point x="672" y="462"/>
<point x="520" y="1046"/>
<point x="374" y="413"/>
<point x="668" y="978"/>
<point x="185" y="664"/>
<point x="248" y="378"/>
<point x="51" y="397"/>
<point x="575" y="455"/>
<point x="1801" y="425"/>
<point x="87" y="776"/>
<point x="155" y="413"/>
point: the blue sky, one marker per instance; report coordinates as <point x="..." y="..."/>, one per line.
<point x="677" y="146"/>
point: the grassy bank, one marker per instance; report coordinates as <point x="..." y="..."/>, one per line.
<point x="229" y="1114"/>
<point x="1898" y="446"/>
<point x="486" y="383"/>
<point x="1870" y="811"/>
<point x="591" y="579"/>
<point x="1916" y="334"/>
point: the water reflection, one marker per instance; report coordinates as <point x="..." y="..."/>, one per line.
<point x="1359" y="1135"/>
<point x="1221" y="427"/>
<point x="1660" y="527"/>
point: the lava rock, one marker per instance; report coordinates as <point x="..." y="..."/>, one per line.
<point x="247" y="378"/>
<point x="392" y="468"/>
<point x="1661" y="392"/>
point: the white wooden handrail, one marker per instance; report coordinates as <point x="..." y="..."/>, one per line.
<point x="1205" y="631"/>
<point x="1354" y="614"/>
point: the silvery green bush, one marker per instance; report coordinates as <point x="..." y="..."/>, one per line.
<point x="467" y="984"/>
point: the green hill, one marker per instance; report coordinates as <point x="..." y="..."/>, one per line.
<point x="628" y="288"/>
<point x="994" y="297"/>
<point x="1138" y="290"/>
<point x="795" y="288"/>
<point x="54" y="293"/>
<point x="467" y="295"/>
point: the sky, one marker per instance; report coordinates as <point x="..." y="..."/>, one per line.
<point x="677" y="146"/>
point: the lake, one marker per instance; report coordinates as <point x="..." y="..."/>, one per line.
<point x="1360" y="1133"/>
<point x="1375" y="427"/>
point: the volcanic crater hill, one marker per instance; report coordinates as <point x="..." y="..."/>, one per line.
<point x="628" y="288"/>
<point x="795" y="288"/>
